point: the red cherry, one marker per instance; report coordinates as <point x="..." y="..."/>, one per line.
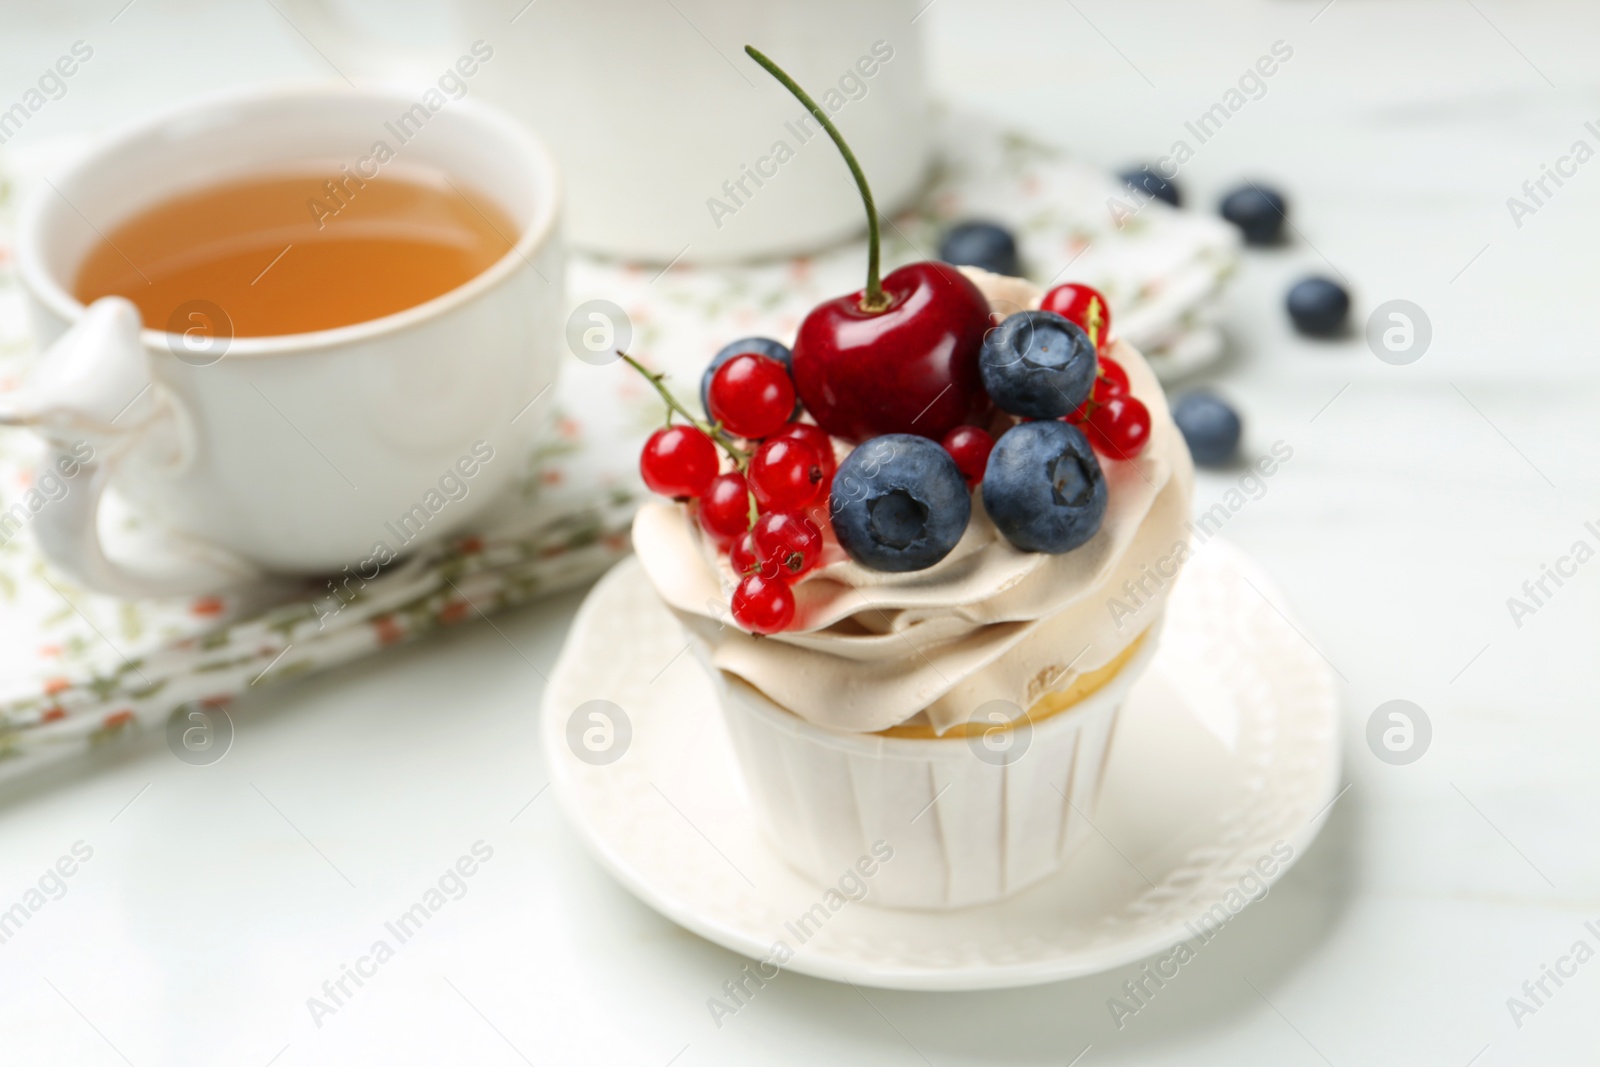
<point x="1082" y="305"/>
<point x="910" y="368"/>
<point x="751" y="395"/>
<point x="678" y="461"/>
<point x="820" y="442"/>
<point x="725" y="506"/>
<point x="742" y="555"/>
<point x="787" y="540"/>
<point x="970" y="448"/>
<point x="1119" y="428"/>
<point x="1114" y="377"/>
<point x="785" y="474"/>
<point x="763" y="605"/>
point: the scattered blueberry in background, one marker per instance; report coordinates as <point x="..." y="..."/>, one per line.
<point x="981" y="244"/>
<point x="761" y="346"/>
<point x="1258" y="211"/>
<point x="1150" y="183"/>
<point x="1037" y="364"/>
<point x="1210" y="426"/>
<point x="1318" y="306"/>
<point x="1044" y="489"/>
<point x="899" y="503"/>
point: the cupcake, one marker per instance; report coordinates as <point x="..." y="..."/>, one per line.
<point x="961" y="712"/>
<point x="924" y="556"/>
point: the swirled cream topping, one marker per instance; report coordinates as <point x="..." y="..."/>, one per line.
<point x="869" y="649"/>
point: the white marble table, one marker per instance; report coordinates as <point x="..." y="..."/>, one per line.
<point x="1419" y="499"/>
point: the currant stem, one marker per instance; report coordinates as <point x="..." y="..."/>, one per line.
<point x="740" y="457"/>
<point x="874" y="299"/>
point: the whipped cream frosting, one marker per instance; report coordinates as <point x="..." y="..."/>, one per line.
<point x="869" y="649"/>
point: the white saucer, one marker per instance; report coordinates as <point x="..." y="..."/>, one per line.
<point x="1228" y="747"/>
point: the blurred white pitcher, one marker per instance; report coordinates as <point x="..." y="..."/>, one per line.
<point x="676" y="146"/>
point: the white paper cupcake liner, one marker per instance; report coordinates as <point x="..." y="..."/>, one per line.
<point x="968" y="823"/>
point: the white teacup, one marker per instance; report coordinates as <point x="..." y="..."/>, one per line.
<point x="294" y="454"/>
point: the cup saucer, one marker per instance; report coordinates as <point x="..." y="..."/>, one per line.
<point x="1225" y="765"/>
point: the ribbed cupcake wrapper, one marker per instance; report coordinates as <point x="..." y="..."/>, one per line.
<point x="965" y="829"/>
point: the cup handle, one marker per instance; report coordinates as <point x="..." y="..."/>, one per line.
<point x="92" y="399"/>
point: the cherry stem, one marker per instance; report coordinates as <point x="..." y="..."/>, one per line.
<point x="740" y="457"/>
<point x="873" y="299"/>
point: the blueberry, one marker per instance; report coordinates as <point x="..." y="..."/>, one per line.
<point x="1318" y="306"/>
<point x="1258" y="211"/>
<point x="981" y="244"/>
<point x="1044" y="489"/>
<point x="899" y="503"/>
<point x="1037" y="364"/>
<point x="1150" y="183"/>
<point x="1210" y="426"/>
<point x="761" y="346"/>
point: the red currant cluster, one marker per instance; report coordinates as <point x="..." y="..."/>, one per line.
<point x="1116" y="423"/>
<point x="766" y="507"/>
<point x="758" y="479"/>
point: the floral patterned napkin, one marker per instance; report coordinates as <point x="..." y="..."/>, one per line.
<point x="78" y="669"/>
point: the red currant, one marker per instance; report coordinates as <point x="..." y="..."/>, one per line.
<point x="1103" y="391"/>
<point x="1114" y="377"/>
<point x="763" y="605"/>
<point x="678" y="461"/>
<point x="742" y="555"/>
<point x="821" y="443"/>
<point x="1119" y="428"/>
<point x="1082" y="305"/>
<point x="1111" y="382"/>
<point x="725" y="506"/>
<point x="970" y="448"/>
<point x="786" y="474"/>
<point x="787" y="540"/>
<point x="751" y="395"/>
